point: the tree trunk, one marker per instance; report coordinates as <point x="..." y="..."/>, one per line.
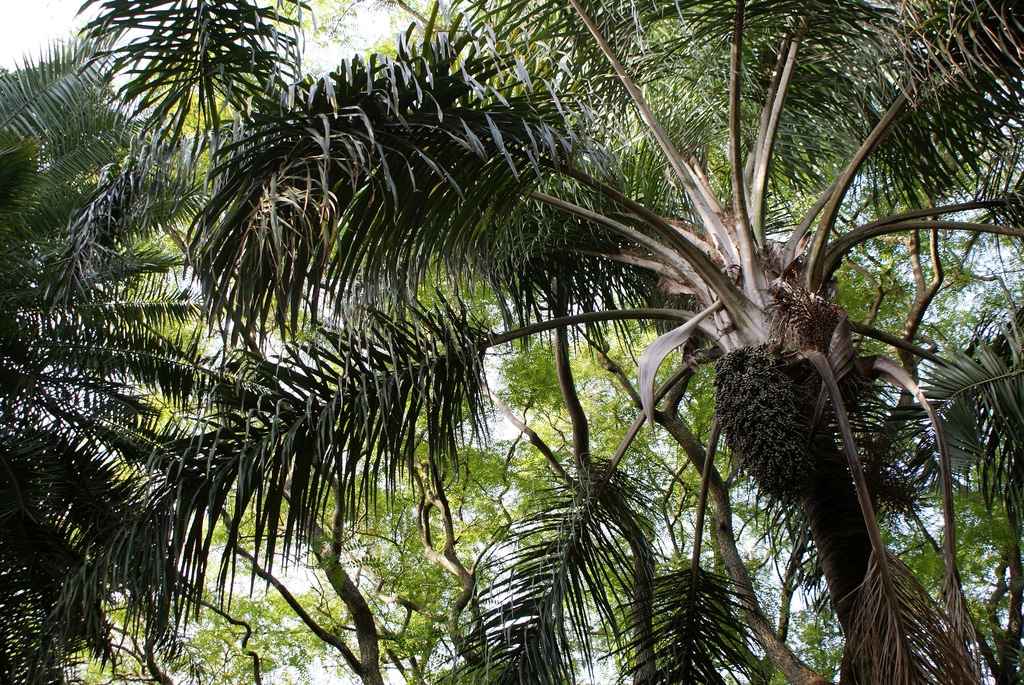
<point x="839" y="532"/>
<point x="1010" y="647"/>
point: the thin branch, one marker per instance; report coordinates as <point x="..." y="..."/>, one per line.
<point x="924" y="293"/>
<point x="929" y="538"/>
<point x="257" y="672"/>
<point x="609" y="365"/>
<point x="897" y="342"/>
<point x="378" y="583"/>
<point x="447" y="559"/>
<point x="422" y="20"/>
<point x="879" y="292"/>
<point x="318" y="630"/>
<point x="535" y="440"/>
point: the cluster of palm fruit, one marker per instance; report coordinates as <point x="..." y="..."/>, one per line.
<point x="757" y="408"/>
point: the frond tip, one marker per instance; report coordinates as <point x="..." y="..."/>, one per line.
<point x="698" y="642"/>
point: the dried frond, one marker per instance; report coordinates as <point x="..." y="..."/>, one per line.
<point x="900" y="634"/>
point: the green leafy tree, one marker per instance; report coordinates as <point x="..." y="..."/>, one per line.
<point x="571" y="167"/>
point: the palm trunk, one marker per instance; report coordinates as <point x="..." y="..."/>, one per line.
<point x="840" y="534"/>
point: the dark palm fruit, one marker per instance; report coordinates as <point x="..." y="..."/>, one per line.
<point x="756" y="405"/>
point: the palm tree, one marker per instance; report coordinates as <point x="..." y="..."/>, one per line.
<point x="713" y="163"/>
<point x="91" y="329"/>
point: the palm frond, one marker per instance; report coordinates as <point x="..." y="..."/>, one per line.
<point x="341" y="415"/>
<point x="76" y="537"/>
<point x="540" y="615"/>
<point x="374" y="173"/>
<point x="702" y="641"/>
<point x="981" y="395"/>
<point x="35" y="99"/>
<point x="86" y="377"/>
<point x="906" y="638"/>
<point x="195" y="56"/>
<point x="19" y="180"/>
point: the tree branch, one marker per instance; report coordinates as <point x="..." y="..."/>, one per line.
<point x="323" y="634"/>
<point x="567" y="385"/>
<point x="534" y="439"/>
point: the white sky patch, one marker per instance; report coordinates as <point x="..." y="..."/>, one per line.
<point x="29" y="26"/>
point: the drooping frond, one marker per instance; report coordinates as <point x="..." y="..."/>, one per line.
<point x="340" y="415"/>
<point x="374" y="173"/>
<point x="702" y="644"/>
<point x="540" y="613"/>
<point x="906" y="637"/>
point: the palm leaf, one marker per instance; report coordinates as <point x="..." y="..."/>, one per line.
<point x="538" y="614"/>
<point x="79" y="376"/>
<point x="344" y="410"/>
<point x="981" y="395"/>
<point x="699" y="635"/>
<point x="374" y="173"/>
<point x="18" y="180"/>
<point x="193" y="56"/>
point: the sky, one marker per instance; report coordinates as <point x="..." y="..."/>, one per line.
<point x="29" y="25"/>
